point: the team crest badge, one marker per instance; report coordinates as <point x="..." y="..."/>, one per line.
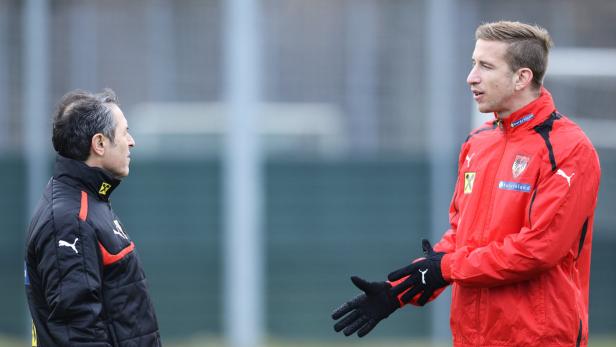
<point x="469" y="180"/>
<point x="519" y="165"/>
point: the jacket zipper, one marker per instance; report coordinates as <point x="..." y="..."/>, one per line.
<point x="492" y="187"/>
<point x="499" y="123"/>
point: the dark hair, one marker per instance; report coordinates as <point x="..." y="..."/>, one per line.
<point x="529" y="45"/>
<point x="81" y="115"/>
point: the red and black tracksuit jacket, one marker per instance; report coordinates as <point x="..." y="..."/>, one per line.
<point x="519" y="245"/>
<point x="84" y="281"/>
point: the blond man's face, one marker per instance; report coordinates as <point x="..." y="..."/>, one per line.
<point x="491" y="80"/>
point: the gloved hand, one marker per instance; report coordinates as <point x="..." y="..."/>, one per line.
<point x="425" y="276"/>
<point x="367" y="309"/>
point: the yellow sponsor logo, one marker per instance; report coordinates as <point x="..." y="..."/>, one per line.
<point x="34" y="339"/>
<point x="104" y="188"/>
<point x="469" y="181"/>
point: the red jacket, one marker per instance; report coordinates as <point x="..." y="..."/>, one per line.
<point x="518" y="251"/>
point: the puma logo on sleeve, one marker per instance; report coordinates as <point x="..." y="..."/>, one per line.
<point x="568" y="178"/>
<point x="468" y="160"/>
<point x="119" y="231"/>
<point x="63" y="243"/>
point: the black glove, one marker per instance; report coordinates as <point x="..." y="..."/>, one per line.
<point x="367" y="309"/>
<point x="425" y="276"/>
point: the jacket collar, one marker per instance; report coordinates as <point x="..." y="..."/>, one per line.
<point x="531" y="115"/>
<point x="97" y="181"/>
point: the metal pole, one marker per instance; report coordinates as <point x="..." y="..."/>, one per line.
<point x="243" y="269"/>
<point x="5" y="141"/>
<point x="441" y="35"/>
<point x="84" y="44"/>
<point x="36" y="137"/>
<point x="36" y="106"/>
<point x="162" y="70"/>
<point x="362" y="74"/>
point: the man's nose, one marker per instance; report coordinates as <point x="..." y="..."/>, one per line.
<point x="131" y="141"/>
<point x="473" y="76"/>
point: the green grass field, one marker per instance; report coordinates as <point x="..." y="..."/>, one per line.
<point x="350" y="342"/>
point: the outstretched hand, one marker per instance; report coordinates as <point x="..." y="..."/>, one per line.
<point x="366" y="310"/>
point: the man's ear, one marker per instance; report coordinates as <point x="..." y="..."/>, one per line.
<point x="98" y="144"/>
<point x="524" y="77"/>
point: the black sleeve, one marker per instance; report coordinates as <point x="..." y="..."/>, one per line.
<point x="69" y="267"/>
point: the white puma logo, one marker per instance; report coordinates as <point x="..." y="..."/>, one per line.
<point x="568" y="178"/>
<point x="468" y="160"/>
<point x="423" y="276"/>
<point x="71" y="245"/>
<point x="119" y="231"/>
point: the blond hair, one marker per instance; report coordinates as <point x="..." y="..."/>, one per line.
<point x="529" y="45"/>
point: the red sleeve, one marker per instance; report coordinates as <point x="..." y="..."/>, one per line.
<point x="447" y="243"/>
<point x="551" y="228"/>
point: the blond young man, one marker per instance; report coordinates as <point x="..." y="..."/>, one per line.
<point x="517" y="253"/>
